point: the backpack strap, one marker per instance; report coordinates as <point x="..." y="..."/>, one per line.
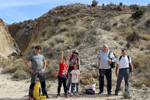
<point x="129" y="58"/>
<point x="120" y="58"/>
<point x="109" y="55"/>
<point x="77" y="58"/>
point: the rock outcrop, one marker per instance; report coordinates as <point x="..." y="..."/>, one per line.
<point x="8" y="45"/>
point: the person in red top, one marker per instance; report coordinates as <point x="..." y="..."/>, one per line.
<point x="62" y="75"/>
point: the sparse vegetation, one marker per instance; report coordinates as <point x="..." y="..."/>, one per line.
<point x="141" y="67"/>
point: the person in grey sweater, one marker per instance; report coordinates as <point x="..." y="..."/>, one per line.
<point x="37" y="70"/>
<point x="105" y="68"/>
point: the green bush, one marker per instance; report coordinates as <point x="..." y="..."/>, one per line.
<point x="126" y="95"/>
<point x="138" y="13"/>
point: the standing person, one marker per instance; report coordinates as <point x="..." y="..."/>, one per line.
<point x="73" y="59"/>
<point x="124" y="64"/>
<point x="37" y="70"/>
<point x="75" y="79"/>
<point x="62" y="75"/>
<point x="105" y="68"/>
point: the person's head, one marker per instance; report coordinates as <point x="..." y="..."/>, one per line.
<point x="124" y="52"/>
<point x="76" y="66"/>
<point x="105" y="47"/>
<point x="64" y="59"/>
<point x="75" y="53"/>
<point x="37" y="49"/>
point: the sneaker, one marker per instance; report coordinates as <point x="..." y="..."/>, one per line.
<point x="100" y="92"/>
<point x="66" y="95"/>
<point x="77" y="94"/>
<point x="71" y="94"/>
<point x="58" y="95"/>
<point x="30" y="98"/>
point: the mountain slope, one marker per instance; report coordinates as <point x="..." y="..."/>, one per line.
<point x="87" y="28"/>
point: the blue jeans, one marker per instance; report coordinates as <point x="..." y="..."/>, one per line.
<point x="73" y="85"/>
<point x="123" y="73"/>
<point x="108" y="74"/>
<point x="68" y="81"/>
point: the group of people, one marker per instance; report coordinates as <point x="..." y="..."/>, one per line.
<point x="70" y="76"/>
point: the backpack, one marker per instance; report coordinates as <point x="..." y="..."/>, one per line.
<point x="90" y="91"/>
<point x="128" y="60"/>
<point x="37" y="92"/>
<point x="72" y="57"/>
<point x="113" y="64"/>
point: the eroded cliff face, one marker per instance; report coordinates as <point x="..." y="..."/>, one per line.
<point x="8" y="45"/>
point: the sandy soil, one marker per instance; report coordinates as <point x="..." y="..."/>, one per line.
<point x="18" y="90"/>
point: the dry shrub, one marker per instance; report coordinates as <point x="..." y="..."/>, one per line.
<point x="142" y="68"/>
<point x="148" y="45"/>
<point x="116" y="37"/>
<point x="128" y="30"/>
<point x="134" y="37"/>
<point x="134" y="7"/>
<point x="52" y="69"/>
<point x="89" y="77"/>
<point x="20" y="74"/>
<point x="145" y="36"/>
<point x="18" y="69"/>
<point x="63" y="28"/>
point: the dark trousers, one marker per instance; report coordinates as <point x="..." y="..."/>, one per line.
<point x="108" y="74"/>
<point x="123" y="73"/>
<point x="60" y="82"/>
<point x="42" y="81"/>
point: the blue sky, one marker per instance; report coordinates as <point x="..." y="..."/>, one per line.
<point x="19" y="10"/>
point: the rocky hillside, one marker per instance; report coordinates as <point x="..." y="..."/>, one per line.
<point x="8" y="45"/>
<point x="87" y="28"/>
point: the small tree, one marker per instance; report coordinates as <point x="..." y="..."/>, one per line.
<point x="94" y="3"/>
<point x="120" y="4"/>
<point x="103" y="5"/>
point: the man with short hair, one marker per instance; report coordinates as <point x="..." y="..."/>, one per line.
<point x="37" y="70"/>
<point x="124" y="64"/>
<point x="105" y="68"/>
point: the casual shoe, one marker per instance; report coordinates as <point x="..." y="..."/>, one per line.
<point x="30" y="98"/>
<point x="100" y="92"/>
<point x="109" y="93"/>
<point x="58" y="95"/>
<point x="46" y="95"/>
<point x="77" y="94"/>
<point x="71" y="94"/>
<point x="66" y="95"/>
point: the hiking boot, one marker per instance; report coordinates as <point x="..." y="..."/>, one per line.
<point x="100" y="92"/>
<point x="58" y="95"/>
<point x="66" y="95"/>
